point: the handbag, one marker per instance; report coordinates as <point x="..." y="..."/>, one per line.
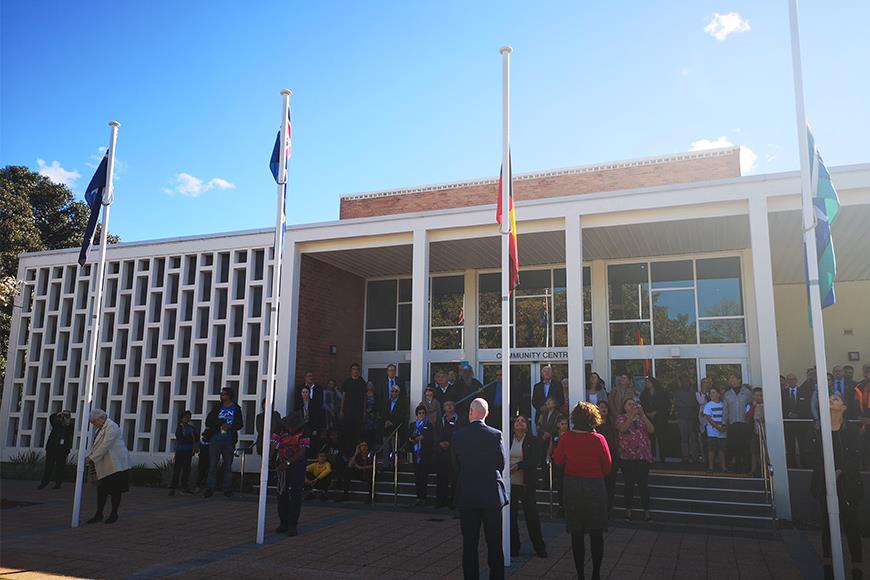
<point x="91" y="474"/>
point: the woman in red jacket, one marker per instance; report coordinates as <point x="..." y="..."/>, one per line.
<point x="586" y="457"/>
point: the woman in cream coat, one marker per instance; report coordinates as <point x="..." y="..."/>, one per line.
<point x="111" y="460"/>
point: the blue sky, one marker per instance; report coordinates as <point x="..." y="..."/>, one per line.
<point x="398" y="94"/>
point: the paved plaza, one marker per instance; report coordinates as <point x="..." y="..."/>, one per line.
<point x="191" y="537"/>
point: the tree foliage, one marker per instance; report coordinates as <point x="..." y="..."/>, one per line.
<point x="35" y="214"/>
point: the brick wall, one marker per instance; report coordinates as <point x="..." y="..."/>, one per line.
<point x="721" y="165"/>
<point x="331" y="308"/>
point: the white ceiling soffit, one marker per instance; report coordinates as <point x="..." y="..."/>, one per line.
<point x="851" y="233"/>
<point x="652" y="239"/>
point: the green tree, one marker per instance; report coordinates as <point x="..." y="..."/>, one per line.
<point x="35" y="214"/>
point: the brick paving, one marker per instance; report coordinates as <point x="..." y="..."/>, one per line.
<point x="191" y="537"/>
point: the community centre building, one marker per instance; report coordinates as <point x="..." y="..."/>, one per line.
<point x="674" y="266"/>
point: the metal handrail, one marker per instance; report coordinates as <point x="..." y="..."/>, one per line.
<point x="766" y="467"/>
<point x="394" y="434"/>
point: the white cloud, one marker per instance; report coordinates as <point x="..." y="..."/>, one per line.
<point x="56" y="173"/>
<point x="191" y="186"/>
<point x="684" y="71"/>
<point x="702" y="144"/>
<point x="94" y="159"/>
<point x="722" y="25"/>
<point x="747" y="155"/>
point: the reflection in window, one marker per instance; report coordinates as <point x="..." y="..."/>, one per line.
<point x="629" y="333"/>
<point x="628" y="289"/>
<point x="533" y="325"/>
<point x="677" y="274"/>
<point x="674" y="317"/>
<point x="722" y="330"/>
<point x="719" y="287"/>
<point x="447" y="312"/>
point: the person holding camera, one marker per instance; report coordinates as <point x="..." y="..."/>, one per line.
<point x="57" y="448"/>
<point x="225" y="422"/>
<point x="635" y="454"/>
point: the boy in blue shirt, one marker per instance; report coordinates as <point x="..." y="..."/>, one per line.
<point x="185" y="446"/>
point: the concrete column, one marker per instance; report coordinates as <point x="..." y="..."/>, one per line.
<point x="768" y="351"/>
<point x="469" y="344"/>
<point x="419" y="317"/>
<point x="574" y="285"/>
<point x="600" y="334"/>
<point x="288" y="318"/>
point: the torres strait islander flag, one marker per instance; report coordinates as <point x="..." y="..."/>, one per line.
<point x="512" y="217"/>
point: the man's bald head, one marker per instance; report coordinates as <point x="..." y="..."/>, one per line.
<point x="479" y="409"/>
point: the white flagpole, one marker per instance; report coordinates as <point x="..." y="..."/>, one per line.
<point x="506" y="294"/>
<point x="815" y="299"/>
<point x="96" y="316"/>
<point x="273" y="320"/>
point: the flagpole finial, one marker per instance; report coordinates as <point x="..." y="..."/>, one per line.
<point x="114" y="124"/>
<point x="505" y="50"/>
<point x="287" y="92"/>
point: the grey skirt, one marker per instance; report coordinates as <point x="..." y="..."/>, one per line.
<point x="585" y="501"/>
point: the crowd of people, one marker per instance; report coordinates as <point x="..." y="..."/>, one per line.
<point x="340" y="434"/>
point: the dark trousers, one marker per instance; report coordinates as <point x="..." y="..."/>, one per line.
<point x="469" y="522"/>
<point x="610" y="484"/>
<point x="421" y="479"/>
<point x="290" y="500"/>
<point x="521" y="494"/>
<point x="55" y="462"/>
<point x="223" y="451"/>
<point x="363" y="475"/>
<point x="851" y="529"/>
<point x="103" y="495"/>
<point x="739" y="440"/>
<point x="181" y="467"/>
<point x="635" y="472"/>
<point x="203" y="465"/>
<point x="443" y="479"/>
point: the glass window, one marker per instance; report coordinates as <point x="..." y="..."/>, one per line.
<point x="533" y="282"/>
<point x="722" y="330"/>
<point x="719" y="287"/>
<point x="380" y="340"/>
<point x="674" y="317"/>
<point x="489" y="303"/>
<point x="446" y="338"/>
<point x="560" y="296"/>
<point x="628" y="289"/>
<point x="629" y="333"/>
<point x="448" y="299"/>
<point x="405" y="290"/>
<point x="490" y="337"/>
<point x="381" y="304"/>
<point x="404" y="327"/>
<point x="533" y="326"/>
<point x="672" y="274"/>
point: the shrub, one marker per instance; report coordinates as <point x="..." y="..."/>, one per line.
<point x="26" y="465"/>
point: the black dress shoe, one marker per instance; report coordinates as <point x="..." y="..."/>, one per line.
<point x="291" y="531"/>
<point x="112" y="519"/>
<point x="95" y="519"/>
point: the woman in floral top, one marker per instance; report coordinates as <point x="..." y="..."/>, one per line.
<point x="635" y="454"/>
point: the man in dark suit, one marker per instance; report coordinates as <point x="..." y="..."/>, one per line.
<point x="315" y="391"/>
<point x="478" y="462"/>
<point x="57" y="448"/>
<point x="545" y="389"/>
<point x="444" y="391"/>
<point x="382" y="392"/>
<point x="395" y="414"/>
<point x="795" y="405"/>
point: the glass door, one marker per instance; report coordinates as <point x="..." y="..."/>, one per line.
<point x="720" y="369"/>
<point x="521" y="391"/>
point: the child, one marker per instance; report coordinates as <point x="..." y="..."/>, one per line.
<point x="185" y="446"/>
<point x="360" y="468"/>
<point x="318" y="476"/>
<point x="714" y="412"/>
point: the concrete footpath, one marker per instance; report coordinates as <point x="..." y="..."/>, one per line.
<point x="193" y="537"/>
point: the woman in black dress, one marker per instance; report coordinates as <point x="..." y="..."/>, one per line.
<point x="850" y="488"/>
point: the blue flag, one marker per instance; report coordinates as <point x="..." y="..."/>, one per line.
<point x="826" y="208"/>
<point x="275" y="160"/>
<point x="94" y="199"/>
